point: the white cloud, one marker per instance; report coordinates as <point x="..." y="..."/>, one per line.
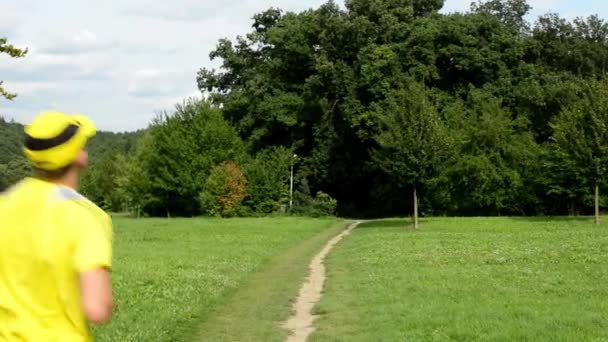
<point x="456" y="6"/>
<point x="78" y="42"/>
<point x="188" y="10"/>
<point x="8" y="24"/>
<point x="158" y="83"/>
<point x="40" y="65"/>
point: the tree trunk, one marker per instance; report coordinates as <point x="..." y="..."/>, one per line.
<point x="571" y="208"/>
<point x="597" y="204"/>
<point x="415" y="209"/>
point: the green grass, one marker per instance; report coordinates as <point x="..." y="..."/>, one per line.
<point x="170" y="274"/>
<point x="469" y="279"/>
<point x="259" y="307"/>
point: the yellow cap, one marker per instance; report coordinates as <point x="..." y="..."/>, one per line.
<point x="54" y="139"/>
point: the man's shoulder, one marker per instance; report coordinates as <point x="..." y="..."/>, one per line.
<point x="77" y="204"/>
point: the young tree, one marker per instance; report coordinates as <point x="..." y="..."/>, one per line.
<point x="224" y="190"/>
<point x="580" y="135"/>
<point x="15" y="53"/>
<point x="413" y="142"/>
<point x="268" y="179"/>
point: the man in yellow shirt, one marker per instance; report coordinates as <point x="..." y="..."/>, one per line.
<point x="55" y="245"/>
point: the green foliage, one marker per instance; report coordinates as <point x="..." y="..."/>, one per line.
<point x="13" y="172"/>
<point x="223" y="191"/>
<point x="323" y="205"/>
<point x="268" y="180"/>
<point x="180" y="154"/>
<point x="105" y="183"/>
<point x="321" y="81"/>
<point x="14" y="53"/>
<point x="489" y="168"/>
<point x="413" y="141"/>
<point x="377" y="98"/>
<point x="581" y="132"/>
<point x="306" y="205"/>
<point x="580" y="141"/>
<point x="13" y="165"/>
<point x="111" y="169"/>
<point x="104" y="143"/>
<point x="11" y="141"/>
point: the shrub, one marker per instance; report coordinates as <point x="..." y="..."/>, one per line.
<point x="268" y="180"/>
<point x="320" y="205"/>
<point x="224" y="190"/>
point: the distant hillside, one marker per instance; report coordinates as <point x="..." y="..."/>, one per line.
<point x="12" y="163"/>
<point x="108" y="142"/>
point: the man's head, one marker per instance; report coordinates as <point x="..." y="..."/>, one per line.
<point x="55" y="143"/>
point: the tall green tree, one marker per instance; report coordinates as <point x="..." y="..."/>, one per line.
<point x="105" y="182"/>
<point x="581" y="136"/>
<point x="490" y="172"/>
<point x="413" y="143"/>
<point x="312" y="81"/>
<point x="15" y="53"/>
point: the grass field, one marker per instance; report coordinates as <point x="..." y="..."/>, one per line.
<point x="170" y="274"/>
<point x="490" y="279"/>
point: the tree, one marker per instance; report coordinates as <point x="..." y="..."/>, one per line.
<point x="268" y="178"/>
<point x="13" y="172"/>
<point x="11" y="138"/>
<point x="181" y="151"/>
<point x="105" y="182"/>
<point x="490" y="171"/>
<point x="413" y="143"/>
<point x="15" y="53"/>
<point x="4" y="183"/>
<point x="137" y="184"/>
<point x="511" y="12"/>
<point x="581" y="136"/>
<point x="313" y="82"/>
<point x="224" y="190"/>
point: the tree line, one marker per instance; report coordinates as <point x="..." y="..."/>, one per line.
<point x="388" y="105"/>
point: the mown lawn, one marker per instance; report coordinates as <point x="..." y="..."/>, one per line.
<point x="169" y="274"/>
<point x="469" y="279"/>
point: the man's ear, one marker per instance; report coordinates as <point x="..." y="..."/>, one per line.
<point x="82" y="160"/>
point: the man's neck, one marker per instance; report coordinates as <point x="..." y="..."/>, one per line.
<point x="70" y="180"/>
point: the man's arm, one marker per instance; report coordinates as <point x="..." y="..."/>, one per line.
<point x="93" y="261"/>
<point x="96" y="295"/>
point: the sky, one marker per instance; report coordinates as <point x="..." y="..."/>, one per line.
<point x="122" y="62"/>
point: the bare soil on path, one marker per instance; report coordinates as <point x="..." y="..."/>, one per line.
<point x="300" y="324"/>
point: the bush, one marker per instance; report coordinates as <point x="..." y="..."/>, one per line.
<point x="324" y="205"/>
<point x="320" y="205"/>
<point x="224" y="191"/>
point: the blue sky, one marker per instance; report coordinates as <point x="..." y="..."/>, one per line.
<point x="122" y="62"/>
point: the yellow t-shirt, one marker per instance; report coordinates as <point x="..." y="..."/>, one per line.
<point x="48" y="234"/>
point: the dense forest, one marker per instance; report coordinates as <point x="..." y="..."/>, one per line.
<point x="378" y="106"/>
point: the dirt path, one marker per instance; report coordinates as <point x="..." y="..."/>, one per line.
<point x="300" y="324"/>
